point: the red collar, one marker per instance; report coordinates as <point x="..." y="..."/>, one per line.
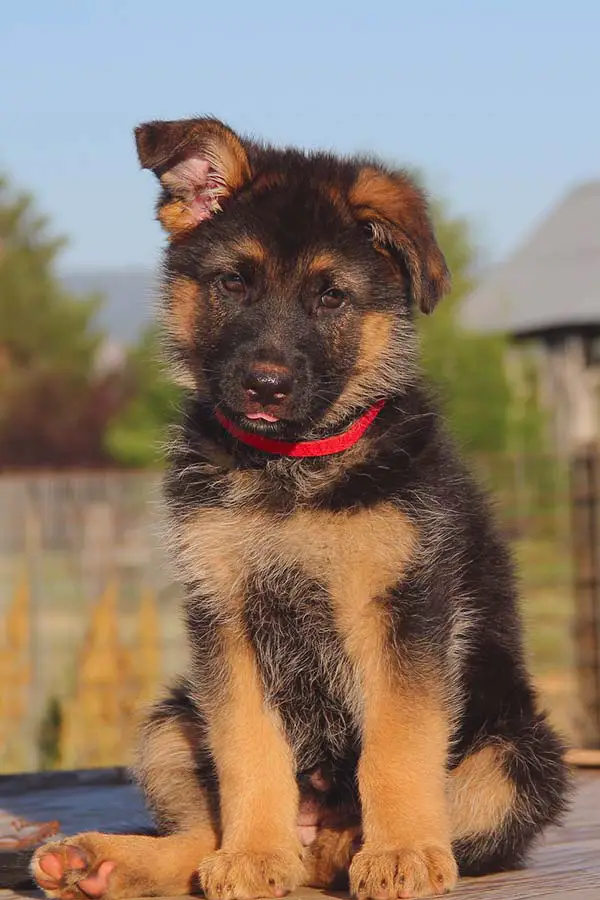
<point x="322" y="447"/>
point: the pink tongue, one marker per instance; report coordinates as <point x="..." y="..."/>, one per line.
<point x="262" y="415"/>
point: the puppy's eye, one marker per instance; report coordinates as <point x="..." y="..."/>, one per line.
<point x="333" y="299"/>
<point x="233" y="284"/>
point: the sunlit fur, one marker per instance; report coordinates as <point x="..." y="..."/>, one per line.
<point x="352" y="620"/>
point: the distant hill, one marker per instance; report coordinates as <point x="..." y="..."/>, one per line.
<point x="129" y="298"/>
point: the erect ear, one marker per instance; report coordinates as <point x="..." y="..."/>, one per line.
<point x="200" y="162"/>
<point x="396" y="211"/>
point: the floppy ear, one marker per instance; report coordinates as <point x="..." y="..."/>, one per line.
<point x="200" y="162"/>
<point x="396" y="212"/>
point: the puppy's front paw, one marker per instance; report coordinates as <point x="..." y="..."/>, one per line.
<point x="420" y="871"/>
<point x="74" y="868"/>
<point x="231" y="875"/>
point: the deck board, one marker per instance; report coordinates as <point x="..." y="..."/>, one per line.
<point x="565" y="864"/>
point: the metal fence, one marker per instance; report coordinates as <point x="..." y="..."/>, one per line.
<point x="89" y="625"/>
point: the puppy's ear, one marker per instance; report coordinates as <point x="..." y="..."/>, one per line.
<point x="200" y="162"/>
<point x="396" y="211"/>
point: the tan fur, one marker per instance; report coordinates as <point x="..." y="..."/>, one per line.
<point x="375" y="355"/>
<point x="257" y="786"/>
<point x="182" y="309"/>
<point x="395" y="199"/>
<point x="397" y="213"/>
<point x="480" y="797"/>
<point x="227" y="156"/>
<point x="227" y="159"/>
<point x="231" y="875"/>
<point x="328" y="858"/>
<point x="323" y="261"/>
<point x="176" y="218"/>
<point x="480" y="793"/>
<point x="359" y="554"/>
<point x="257" y="778"/>
<point x="250" y="248"/>
<point x="145" y="866"/>
<point x="245" y="248"/>
<point x="345" y="274"/>
<point x="405" y="733"/>
<point x="162" y="145"/>
<point x="170" y="746"/>
<point x="376" y="330"/>
<point x="402" y="769"/>
<point x="403" y="872"/>
<point x="401" y="778"/>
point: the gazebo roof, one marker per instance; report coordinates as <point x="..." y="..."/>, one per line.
<point x="552" y="281"/>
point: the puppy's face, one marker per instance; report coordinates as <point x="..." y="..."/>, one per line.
<point x="290" y="279"/>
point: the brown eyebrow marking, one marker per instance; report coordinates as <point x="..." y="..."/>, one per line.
<point x="323" y="261"/>
<point x="250" y="247"/>
<point x="244" y="248"/>
<point x="346" y="274"/>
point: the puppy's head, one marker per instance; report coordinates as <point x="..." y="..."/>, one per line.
<point x="290" y="278"/>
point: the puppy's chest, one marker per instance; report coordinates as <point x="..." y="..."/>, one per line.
<point x="301" y="586"/>
<point x="352" y="556"/>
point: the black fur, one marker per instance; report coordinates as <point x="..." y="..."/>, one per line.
<point x="456" y="607"/>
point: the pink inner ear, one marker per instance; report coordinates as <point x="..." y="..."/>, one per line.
<point x="194" y="181"/>
<point x="187" y="176"/>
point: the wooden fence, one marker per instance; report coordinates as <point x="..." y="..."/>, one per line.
<point x="89" y="625"/>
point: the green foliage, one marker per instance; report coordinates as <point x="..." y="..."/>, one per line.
<point x="469" y="369"/>
<point x="53" y="405"/>
<point x="135" y="436"/>
<point x="39" y="322"/>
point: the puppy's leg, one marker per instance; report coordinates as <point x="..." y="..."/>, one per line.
<point x="115" y="866"/>
<point x="328" y="858"/>
<point x="172" y="764"/>
<point x="504" y="793"/>
<point x="402" y="769"/>
<point x="501" y="796"/>
<point x="260" y="854"/>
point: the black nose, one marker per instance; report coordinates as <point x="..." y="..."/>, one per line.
<point x="268" y="385"/>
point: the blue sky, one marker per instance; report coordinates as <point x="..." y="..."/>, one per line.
<point x="497" y="100"/>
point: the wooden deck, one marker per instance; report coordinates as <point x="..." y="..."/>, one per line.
<point x="565" y="865"/>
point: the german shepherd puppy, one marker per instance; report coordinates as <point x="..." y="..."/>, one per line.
<point x="356" y="705"/>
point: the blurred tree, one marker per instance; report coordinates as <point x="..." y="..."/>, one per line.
<point x="469" y="370"/>
<point x="54" y="404"/>
<point x="135" y="436"/>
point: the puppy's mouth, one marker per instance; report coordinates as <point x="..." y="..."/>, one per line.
<point x="277" y="435"/>
<point x="261" y="416"/>
<point x="264" y="422"/>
